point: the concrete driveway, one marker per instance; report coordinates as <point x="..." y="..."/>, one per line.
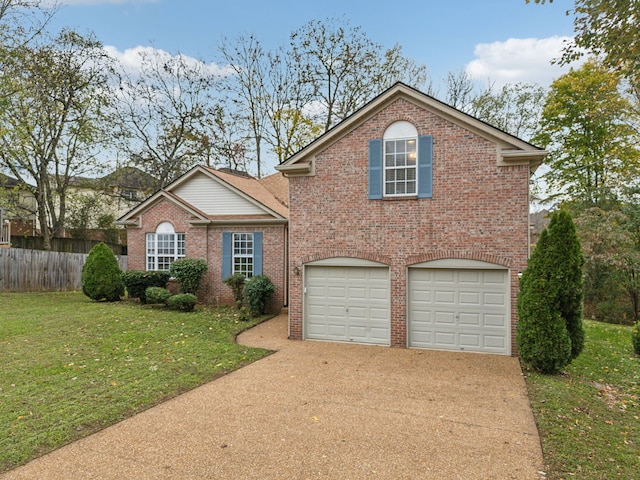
<point x="323" y="411"/>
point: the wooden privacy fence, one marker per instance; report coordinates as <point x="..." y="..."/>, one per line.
<point x="42" y="271"/>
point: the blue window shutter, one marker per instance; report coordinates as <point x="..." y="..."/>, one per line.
<point x="425" y="166"/>
<point x="375" y="169"/>
<point x="226" y="254"/>
<point x="257" y="253"/>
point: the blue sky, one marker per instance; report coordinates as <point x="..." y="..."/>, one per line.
<point x="505" y="40"/>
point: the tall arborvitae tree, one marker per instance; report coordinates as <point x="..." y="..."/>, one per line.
<point x="542" y="337"/>
<point x="565" y="256"/>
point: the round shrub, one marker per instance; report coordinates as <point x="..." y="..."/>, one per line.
<point x="258" y="290"/>
<point x="635" y="338"/>
<point x="236" y="283"/>
<point x="185" y="302"/>
<point x="101" y="275"/>
<point x="157" y="295"/>
<point x="137" y="282"/>
<point x="189" y="273"/>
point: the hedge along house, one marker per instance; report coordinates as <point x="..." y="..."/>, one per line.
<point x="409" y="224"/>
<point x="235" y="222"/>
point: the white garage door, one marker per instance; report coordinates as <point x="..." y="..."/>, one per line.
<point x="347" y="304"/>
<point x="460" y="309"/>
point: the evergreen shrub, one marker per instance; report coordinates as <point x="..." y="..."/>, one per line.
<point x="189" y="273"/>
<point x="137" y="282"/>
<point x="101" y="275"/>
<point x="236" y="283"/>
<point x="157" y="295"/>
<point x="257" y="291"/>
<point x="185" y="302"/>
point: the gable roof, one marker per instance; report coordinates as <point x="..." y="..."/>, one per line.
<point x="237" y="183"/>
<point x="513" y="150"/>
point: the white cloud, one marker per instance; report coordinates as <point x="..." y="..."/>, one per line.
<point x="526" y="60"/>
<point x="131" y="59"/>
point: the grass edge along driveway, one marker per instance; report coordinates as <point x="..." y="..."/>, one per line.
<point x="588" y="416"/>
<point x="71" y="367"/>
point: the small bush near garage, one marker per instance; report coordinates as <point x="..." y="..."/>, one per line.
<point x="184" y="302"/>
<point x="236" y="283"/>
<point x="157" y="295"/>
<point x="137" y="281"/>
<point x="189" y="273"/>
<point x="635" y="338"/>
<point x="101" y="275"/>
<point x="257" y="291"/>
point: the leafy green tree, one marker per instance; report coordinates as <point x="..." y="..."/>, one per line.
<point x="542" y="336"/>
<point x="607" y="29"/>
<point x="55" y="122"/>
<point x="101" y="275"/>
<point x="585" y="126"/>
<point x="610" y="244"/>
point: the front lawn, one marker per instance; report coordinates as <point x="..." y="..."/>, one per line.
<point x="588" y="417"/>
<point x="71" y="367"/>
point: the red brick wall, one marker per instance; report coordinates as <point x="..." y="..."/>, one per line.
<point x="479" y="210"/>
<point x="206" y="242"/>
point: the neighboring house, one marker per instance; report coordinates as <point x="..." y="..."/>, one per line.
<point x="235" y="222"/>
<point x="19" y="204"/>
<point x="408" y="227"/>
<point x="115" y="193"/>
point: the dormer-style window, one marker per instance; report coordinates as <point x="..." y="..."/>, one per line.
<point x="400" y="163"/>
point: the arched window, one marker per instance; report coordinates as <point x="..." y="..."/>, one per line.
<point x="400" y="163"/>
<point x="164" y="247"/>
<point x="400" y="159"/>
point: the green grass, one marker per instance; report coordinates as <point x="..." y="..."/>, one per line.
<point x="588" y="417"/>
<point x="70" y="366"/>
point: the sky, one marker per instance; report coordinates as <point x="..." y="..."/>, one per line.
<point x="506" y="41"/>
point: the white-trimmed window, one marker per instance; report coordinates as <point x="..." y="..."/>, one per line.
<point x="243" y="254"/>
<point x="400" y="159"/>
<point x="164" y="247"/>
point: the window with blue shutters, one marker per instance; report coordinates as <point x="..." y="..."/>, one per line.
<point x="241" y="253"/>
<point x="400" y="164"/>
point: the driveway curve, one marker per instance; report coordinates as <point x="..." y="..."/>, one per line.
<point x="316" y="410"/>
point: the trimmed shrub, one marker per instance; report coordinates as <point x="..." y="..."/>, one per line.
<point x="137" y="282"/>
<point x="101" y="275"/>
<point x="565" y="278"/>
<point x="236" y="283"/>
<point x="185" y="302"/>
<point x="257" y="291"/>
<point x="189" y="273"/>
<point x="635" y="338"/>
<point x="157" y="295"/>
<point x="542" y="336"/>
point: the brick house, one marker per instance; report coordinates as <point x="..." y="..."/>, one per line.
<point x="408" y="227"/>
<point x="235" y="222"/>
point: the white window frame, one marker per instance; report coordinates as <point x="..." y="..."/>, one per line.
<point x="163" y="247"/>
<point x="242" y="254"/>
<point x="400" y="158"/>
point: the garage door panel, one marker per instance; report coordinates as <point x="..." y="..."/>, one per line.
<point x="470" y="319"/>
<point x="353" y="303"/>
<point x="470" y="309"/>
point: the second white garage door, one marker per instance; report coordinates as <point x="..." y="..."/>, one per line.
<point x="347" y="304"/>
<point x="460" y="309"/>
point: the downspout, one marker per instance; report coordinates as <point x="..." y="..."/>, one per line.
<point x="286" y="264"/>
